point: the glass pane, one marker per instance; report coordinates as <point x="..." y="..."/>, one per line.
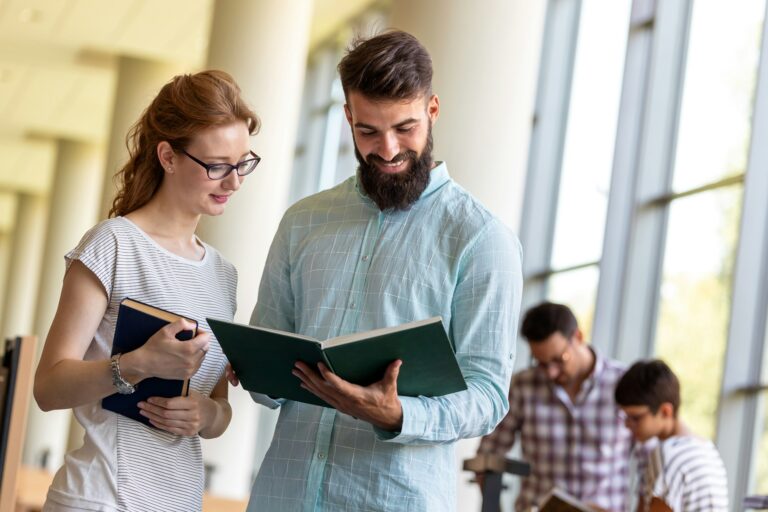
<point x="695" y="298"/>
<point x="577" y="289"/>
<point x="761" y="455"/>
<point x="591" y="132"/>
<point x="720" y="76"/>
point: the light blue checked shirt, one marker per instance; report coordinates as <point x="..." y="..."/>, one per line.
<point x="338" y="265"/>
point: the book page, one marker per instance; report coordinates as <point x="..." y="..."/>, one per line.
<point x="351" y="338"/>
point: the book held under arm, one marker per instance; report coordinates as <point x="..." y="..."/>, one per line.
<point x="136" y="323"/>
<point x="264" y="358"/>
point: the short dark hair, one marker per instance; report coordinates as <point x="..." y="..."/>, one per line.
<point x="650" y="382"/>
<point x="542" y="321"/>
<point x="391" y="65"/>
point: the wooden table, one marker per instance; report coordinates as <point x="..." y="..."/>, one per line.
<point x="33" y="486"/>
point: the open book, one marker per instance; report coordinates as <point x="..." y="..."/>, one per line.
<point x="557" y="500"/>
<point x="136" y="323"/>
<point x="264" y="358"/>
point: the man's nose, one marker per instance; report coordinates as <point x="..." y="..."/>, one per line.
<point x="390" y="147"/>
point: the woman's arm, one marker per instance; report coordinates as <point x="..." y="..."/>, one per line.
<point x="64" y="380"/>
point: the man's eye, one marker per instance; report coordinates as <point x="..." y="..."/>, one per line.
<point x="405" y="130"/>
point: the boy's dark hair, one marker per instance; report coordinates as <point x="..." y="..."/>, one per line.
<point x="542" y="321"/>
<point x="392" y="65"/>
<point x="650" y="383"/>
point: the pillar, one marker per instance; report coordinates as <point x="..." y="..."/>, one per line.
<point x="24" y="268"/>
<point x="485" y="59"/>
<point x="74" y="206"/>
<point x="138" y="82"/>
<point x="264" y="45"/>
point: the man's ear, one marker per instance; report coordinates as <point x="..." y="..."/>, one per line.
<point x="166" y="155"/>
<point x="433" y="108"/>
<point x="577" y="336"/>
<point x="667" y="410"/>
<point x="348" y="114"/>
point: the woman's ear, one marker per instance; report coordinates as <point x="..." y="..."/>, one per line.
<point x="166" y="156"/>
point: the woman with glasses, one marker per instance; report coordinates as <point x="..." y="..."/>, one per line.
<point x="189" y="153"/>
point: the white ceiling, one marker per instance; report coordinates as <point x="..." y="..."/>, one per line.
<point x="57" y="69"/>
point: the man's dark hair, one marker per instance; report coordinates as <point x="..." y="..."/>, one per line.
<point x="392" y="65"/>
<point x="650" y="383"/>
<point x="542" y="321"/>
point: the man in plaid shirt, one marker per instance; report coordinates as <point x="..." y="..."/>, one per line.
<point x="563" y="410"/>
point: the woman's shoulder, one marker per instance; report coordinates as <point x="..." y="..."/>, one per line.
<point x="116" y="227"/>
<point x="105" y="233"/>
<point x="215" y="257"/>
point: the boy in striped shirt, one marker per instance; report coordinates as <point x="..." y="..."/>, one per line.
<point x="682" y="472"/>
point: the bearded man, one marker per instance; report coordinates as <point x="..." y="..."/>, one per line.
<point x="398" y="242"/>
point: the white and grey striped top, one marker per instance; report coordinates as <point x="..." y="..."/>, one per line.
<point x="123" y="464"/>
<point x="688" y="474"/>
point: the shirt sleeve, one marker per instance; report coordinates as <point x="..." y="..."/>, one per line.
<point x="98" y="251"/>
<point x="274" y="307"/>
<point x="485" y="309"/>
<point x="501" y="440"/>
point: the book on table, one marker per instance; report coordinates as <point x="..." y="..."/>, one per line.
<point x="136" y="323"/>
<point x="558" y="500"/>
<point x="264" y="358"/>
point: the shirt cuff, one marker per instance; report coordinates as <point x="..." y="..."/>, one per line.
<point x="266" y="401"/>
<point x="414" y="422"/>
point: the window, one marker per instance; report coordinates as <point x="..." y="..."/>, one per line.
<point x="694" y="300"/>
<point x="579" y="118"/>
<point x="646" y="212"/>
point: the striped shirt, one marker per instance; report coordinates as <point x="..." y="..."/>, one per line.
<point x="581" y="446"/>
<point x="124" y="465"/>
<point x="688" y="474"/>
<point x="339" y="265"/>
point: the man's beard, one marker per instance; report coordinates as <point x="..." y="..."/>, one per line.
<point x="396" y="191"/>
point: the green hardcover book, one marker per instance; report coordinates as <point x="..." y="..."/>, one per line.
<point x="264" y="358"/>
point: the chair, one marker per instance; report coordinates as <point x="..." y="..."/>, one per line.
<point x="493" y="468"/>
<point x="19" y="387"/>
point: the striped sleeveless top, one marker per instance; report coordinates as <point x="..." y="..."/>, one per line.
<point x="124" y="465"/>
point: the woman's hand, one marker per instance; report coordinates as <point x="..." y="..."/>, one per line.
<point x="181" y="415"/>
<point x="165" y="356"/>
<point x="191" y="415"/>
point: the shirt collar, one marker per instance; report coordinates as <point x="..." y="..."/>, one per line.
<point x="438" y="177"/>
<point x="593" y="377"/>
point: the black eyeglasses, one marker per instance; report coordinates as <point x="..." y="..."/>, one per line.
<point x="222" y="170"/>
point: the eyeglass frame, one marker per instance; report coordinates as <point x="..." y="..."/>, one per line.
<point x="634" y="419"/>
<point x="207" y="167"/>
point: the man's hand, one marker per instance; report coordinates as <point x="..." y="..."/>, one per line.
<point x="231" y="375"/>
<point x="378" y="404"/>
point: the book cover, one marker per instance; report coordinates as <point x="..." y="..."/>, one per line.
<point x="136" y="323"/>
<point x="264" y="358"/>
<point x="557" y="500"/>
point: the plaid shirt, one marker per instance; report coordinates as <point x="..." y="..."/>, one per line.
<point x="581" y="446"/>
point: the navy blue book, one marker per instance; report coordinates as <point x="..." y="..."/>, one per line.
<point x="136" y="323"/>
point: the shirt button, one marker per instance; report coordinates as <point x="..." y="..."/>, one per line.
<point x="365" y="258"/>
<point x="352" y="305"/>
<point x="321" y="456"/>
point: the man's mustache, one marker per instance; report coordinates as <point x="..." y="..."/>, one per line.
<point x="371" y="158"/>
